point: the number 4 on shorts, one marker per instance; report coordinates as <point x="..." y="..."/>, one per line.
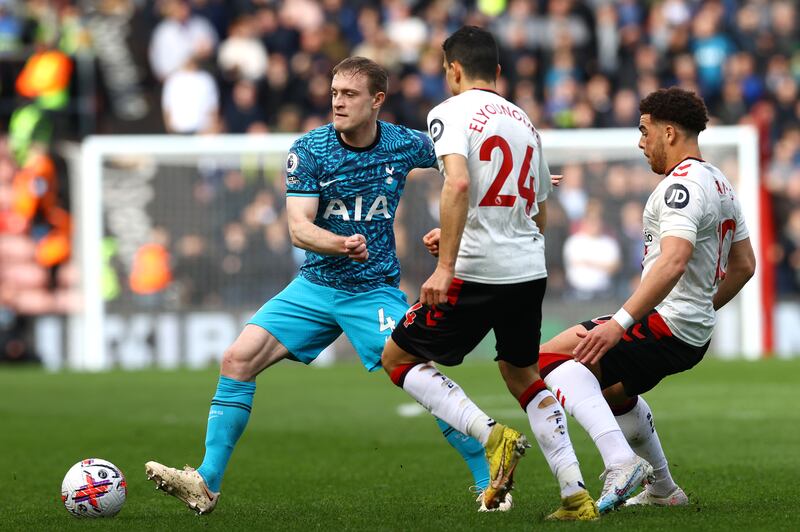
<point x="385" y="322"/>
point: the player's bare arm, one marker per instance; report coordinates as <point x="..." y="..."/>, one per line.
<point x="453" y="215"/>
<point x="306" y="235"/>
<point x="655" y="286"/>
<point x="741" y="267"/>
<point x="423" y="174"/>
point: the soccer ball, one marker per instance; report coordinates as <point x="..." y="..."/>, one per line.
<point x="94" y="488"/>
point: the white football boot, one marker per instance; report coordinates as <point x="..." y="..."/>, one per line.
<point x="185" y="484"/>
<point x="646" y="498"/>
<point x="621" y="481"/>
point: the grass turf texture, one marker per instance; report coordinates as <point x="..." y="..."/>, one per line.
<point x="326" y="449"/>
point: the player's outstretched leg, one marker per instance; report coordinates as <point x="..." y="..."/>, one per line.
<point x="254" y="350"/>
<point x="447" y="401"/>
<point x="580" y="393"/>
<point x="227" y="419"/>
<point x="636" y="421"/>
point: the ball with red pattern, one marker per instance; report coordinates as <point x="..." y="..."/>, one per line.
<point x="94" y="488"/>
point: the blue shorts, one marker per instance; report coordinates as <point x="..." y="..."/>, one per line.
<point x="306" y="318"/>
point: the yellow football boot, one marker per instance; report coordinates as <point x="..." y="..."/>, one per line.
<point x="503" y="451"/>
<point x="577" y="507"/>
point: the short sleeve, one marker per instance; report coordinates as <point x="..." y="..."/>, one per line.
<point x="543" y="173"/>
<point x="447" y="132"/>
<point x="302" y="177"/>
<point x="425" y="156"/>
<point x="682" y="207"/>
<point x="741" y="226"/>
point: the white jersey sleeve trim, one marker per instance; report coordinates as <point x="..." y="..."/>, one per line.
<point x="686" y="234"/>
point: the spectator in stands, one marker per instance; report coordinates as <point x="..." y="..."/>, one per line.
<point x="195" y="271"/>
<point x="10" y="28"/>
<point x="591" y="258"/>
<point x="179" y="38"/>
<point x="376" y="44"/>
<point x="406" y="32"/>
<point x="572" y="195"/>
<point x="242" y="111"/>
<point x="788" y="260"/>
<point x="710" y="49"/>
<point x="241" y="54"/>
<point x="190" y="100"/>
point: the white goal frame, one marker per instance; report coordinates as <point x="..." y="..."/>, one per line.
<point x="86" y="348"/>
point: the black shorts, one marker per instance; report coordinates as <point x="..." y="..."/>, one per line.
<point x="447" y="333"/>
<point x="647" y="353"/>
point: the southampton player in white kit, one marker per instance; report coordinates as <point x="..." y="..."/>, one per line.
<point x="697" y="256"/>
<point x="491" y="274"/>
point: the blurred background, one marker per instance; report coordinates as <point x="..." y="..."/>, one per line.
<point x="193" y="243"/>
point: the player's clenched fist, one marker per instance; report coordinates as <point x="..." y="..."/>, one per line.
<point x="356" y="246"/>
<point x="434" y="290"/>
<point x="431" y="241"/>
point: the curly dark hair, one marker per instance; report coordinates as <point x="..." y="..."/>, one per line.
<point x="676" y="105"/>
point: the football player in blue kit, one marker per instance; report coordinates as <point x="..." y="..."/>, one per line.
<point x="343" y="184"/>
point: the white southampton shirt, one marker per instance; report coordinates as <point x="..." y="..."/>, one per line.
<point x="695" y="202"/>
<point x="508" y="177"/>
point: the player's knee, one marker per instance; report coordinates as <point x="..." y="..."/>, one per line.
<point x="387" y="362"/>
<point x="236" y="364"/>
<point x="389" y="357"/>
<point x="564" y="342"/>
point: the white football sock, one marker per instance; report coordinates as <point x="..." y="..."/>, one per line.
<point x="640" y="431"/>
<point x="549" y="425"/>
<point x="446" y="400"/>
<point x="578" y="390"/>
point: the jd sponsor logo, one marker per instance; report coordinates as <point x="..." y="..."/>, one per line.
<point x="676" y="196"/>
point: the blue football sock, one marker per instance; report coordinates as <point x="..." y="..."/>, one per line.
<point x="227" y="418"/>
<point x="470" y="450"/>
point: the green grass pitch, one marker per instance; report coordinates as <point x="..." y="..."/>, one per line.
<point x="327" y="450"/>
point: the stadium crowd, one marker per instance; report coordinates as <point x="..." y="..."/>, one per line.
<point x="254" y="66"/>
<point x="264" y="66"/>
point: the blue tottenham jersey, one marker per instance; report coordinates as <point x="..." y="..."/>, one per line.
<point x="358" y="191"/>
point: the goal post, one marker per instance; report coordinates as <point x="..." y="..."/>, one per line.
<point x="86" y="349"/>
<point x="155" y="178"/>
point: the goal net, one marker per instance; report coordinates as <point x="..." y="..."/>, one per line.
<point x="180" y="239"/>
